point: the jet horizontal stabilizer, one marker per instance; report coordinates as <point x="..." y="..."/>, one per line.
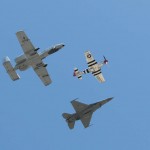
<point x="66" y="115"/>
<point x="71" y="124"/>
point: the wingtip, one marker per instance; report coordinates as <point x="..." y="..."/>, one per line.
<point x="74" y="99"/>
<point x="110" y="98"/>
<point x="19" y="31"/>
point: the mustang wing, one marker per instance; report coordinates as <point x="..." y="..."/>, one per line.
<point x="78" y="106"/>
<point x="41" y="71"/>
<point x="100" y="77"/>
<point x="25" y="43"/>
<point x="86" y="119"/>
<point x="90" y="59"/>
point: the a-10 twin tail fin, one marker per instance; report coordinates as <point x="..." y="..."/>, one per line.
<point x="10" y="70"/>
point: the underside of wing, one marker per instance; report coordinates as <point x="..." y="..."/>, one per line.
<point x="43" y="75"/>
<point x="86" y="120"/>
<point x="100" y="77"/>
<point x="25" y="43"/>
<point x="78" y="106"/>
<point x="89" y="58"/>
<point x="41" y="71"/>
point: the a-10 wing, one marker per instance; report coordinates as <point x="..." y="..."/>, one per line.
<point x="43" y="74"/>
<point x="37" y="63"/>
<point x="25" y="43"/>
<point x="94" y="66"/>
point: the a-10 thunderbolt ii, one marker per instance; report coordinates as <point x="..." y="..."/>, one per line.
<point x="93" y="67"/>
<point x="30" y="58"/>
<point x="84" y="112"/>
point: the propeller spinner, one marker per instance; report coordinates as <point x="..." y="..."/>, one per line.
<point x="105" y="60"/>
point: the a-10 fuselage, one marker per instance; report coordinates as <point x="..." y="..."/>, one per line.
<point x="23" y="62"/>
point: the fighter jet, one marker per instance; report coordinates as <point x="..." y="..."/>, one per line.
<point x="30" y="58"/>
<point x="84" y="112"/>
<point x="93" y="67"/>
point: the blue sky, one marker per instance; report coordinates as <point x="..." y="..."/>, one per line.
<point x="30" y="113"/>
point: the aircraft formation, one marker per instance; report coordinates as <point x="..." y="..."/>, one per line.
<point x="31" y="58"/>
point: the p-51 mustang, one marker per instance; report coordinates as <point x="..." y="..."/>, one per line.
<point x="93" y="67"/>
<point x="30" y="58"/>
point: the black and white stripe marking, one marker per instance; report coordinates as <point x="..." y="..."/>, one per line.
<point x="86" y="71"/>
<point x="91" y="63"/>
<point x="79" y="77"/>
<point x="95" y="73"/>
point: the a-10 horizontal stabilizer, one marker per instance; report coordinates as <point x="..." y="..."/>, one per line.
<point x="10" y="70"/>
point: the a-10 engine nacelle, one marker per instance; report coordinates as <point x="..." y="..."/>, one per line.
<point x="20" y="63"/>
<point x="10" y="70"/>
<point x="20" y="59"/>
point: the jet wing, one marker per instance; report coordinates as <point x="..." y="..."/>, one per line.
<point x="89" y="59"/>
<point x="41" y="71"/>
<point x="78" y="106"/>
<point x="25" y="43"/>
<point x="36" y="63"/>
<point x="86" y="119"/>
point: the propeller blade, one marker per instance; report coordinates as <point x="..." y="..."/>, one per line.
<point x="104" y="57"/>
<point x="105" y="60"/>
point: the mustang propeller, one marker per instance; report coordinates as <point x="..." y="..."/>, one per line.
<point x="105" y="60"/>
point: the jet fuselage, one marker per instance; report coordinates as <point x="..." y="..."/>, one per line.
<point x="90" y="108"/>
<point x="23" y="62"/>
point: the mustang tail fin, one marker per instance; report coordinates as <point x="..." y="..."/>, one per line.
<point x="77" y="73"/>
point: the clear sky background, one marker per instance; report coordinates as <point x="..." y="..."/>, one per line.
<point x="30" y="113"/>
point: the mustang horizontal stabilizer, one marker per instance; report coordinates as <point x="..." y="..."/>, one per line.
<point x="77" y="73"/>
<point x="10" y="70"/>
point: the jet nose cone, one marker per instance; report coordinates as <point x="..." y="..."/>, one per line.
<point x="105" y="101"/>
<point x="109" y="99"/>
